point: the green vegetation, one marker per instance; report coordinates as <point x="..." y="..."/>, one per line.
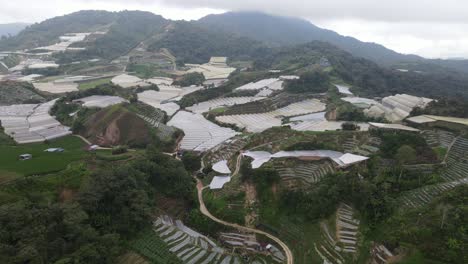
<point x="455" y="107"/>
<point x="236" y="80"/>
<point x="18" y="93"/>
<point x="151" y="246"/>
<point x="146" y="71"/>
<point x="191" y="43"/>
<point x="189" y="79"/>
<point x="310" y="82"/>
<point x="438" y="231"/>
<point x="42" y="162"/>
<point x="93" y="84"/>
<point x="192" y="161"/>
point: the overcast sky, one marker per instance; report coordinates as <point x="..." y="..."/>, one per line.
<point x="430" y="28"/>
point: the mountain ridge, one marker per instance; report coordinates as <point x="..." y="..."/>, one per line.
<point x="279" y="31"/>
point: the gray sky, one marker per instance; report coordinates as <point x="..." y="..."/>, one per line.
<point x="431" y="28"/>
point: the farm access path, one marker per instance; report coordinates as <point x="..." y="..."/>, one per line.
<point x="204" y="211"/>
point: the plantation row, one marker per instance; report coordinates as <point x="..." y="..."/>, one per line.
<point x="335" y="248"/>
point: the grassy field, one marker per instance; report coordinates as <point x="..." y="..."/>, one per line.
<point x="92" y="84"/>
<point x="42" y="162"/>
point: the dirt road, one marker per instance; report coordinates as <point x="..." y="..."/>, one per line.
<point x="204" y="210"/>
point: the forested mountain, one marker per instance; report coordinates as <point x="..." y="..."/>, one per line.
<point x="368" y="78"/>
<point x="11" y="29"/>
<point x="48" y="31"/>
<point x="276" y="31"/>
<point x="195" y="44"/>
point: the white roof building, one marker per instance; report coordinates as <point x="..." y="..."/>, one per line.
<point x="219" y="181"/>
<point x="221" y="167"/>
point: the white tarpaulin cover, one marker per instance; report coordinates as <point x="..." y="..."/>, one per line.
<point x="221" y="167"/>
<point x="261" y="157"/>
<point x="219" y="181"/>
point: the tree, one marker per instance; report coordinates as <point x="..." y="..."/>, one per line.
<point x="192" y="161"/>
<point x="117" y="200"/>
<point x="405" y="154"/>
<point x="315" y="81"/>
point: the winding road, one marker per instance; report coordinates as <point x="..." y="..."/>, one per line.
<point x="204" y="211"/>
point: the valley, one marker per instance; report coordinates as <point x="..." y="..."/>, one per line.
<point x="127" y="138"/>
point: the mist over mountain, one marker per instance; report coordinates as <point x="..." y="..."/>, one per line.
<point x="11" y="29"/>
<point x="277" y="31"/>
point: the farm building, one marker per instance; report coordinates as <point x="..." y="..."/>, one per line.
<point x="340" y="159"/>
<point x="262" y="121"/>
<point x="392" y="127"/>
<point x="221" y="102"/>
<point x="25" y="156"/>
<point x="54" y="150"/>
<point x="429" y="121"/>
<point x="200" y="134"/>
<point x="128" y="81"/>
<point x="398" y="107"/>
<point x="343" y="90"/>
<point x="219" y="181"/>
<point x="218" y="61"/>
<point x="100" y="101"/>
<point x="166" y="97"/>
<point x="221" y="167"/>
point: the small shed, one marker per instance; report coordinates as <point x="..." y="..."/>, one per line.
<point x="25" y="156"/>
<point x="54" y="150"/>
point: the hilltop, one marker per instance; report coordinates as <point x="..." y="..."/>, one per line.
<point x="115" y="126"/>
<point x="281" y="31"/>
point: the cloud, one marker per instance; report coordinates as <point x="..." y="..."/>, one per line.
<point x="454" y="11"/>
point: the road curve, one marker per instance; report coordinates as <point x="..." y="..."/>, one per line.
<point x="204" y="210"/>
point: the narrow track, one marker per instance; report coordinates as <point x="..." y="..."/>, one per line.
<point x="204" y="210"/>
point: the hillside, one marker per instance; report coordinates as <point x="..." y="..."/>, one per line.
<point x="114" y="126"/>
<point x="48" y="31"/>
<point x="368" y="78"/>
<point x="192" y="43"/>
<point x="18" y="93"/>
<point x="12" y="29"/>
<point x="277" y="31"/>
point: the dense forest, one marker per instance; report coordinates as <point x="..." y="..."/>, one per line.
<point x="109" y="206"/>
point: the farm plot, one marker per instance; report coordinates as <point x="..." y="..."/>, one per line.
<point x="271" y="84"/>
<point x="438" y="138"/>
<point x="65" y="41"/>
<point x="249" y="243"/>
<point x="324" y="125"/>
<point x="29" y="123"/>
<point x="220" y="102"/>
<point x="263" y="121"/>
<point x="336" y="248"/>
<point x="128" y="81"/>
<point x="56" y="88"/>
<point x="225" y="150"/>
<point x="190" y="246"/>
<point x="100" y="101"/>
<point x="424" y="195"/>
<point x="200" y="134"/>
<point x="166" y="97"/>
<point x="303" y="173"/>
<point x="457" y="161"/>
